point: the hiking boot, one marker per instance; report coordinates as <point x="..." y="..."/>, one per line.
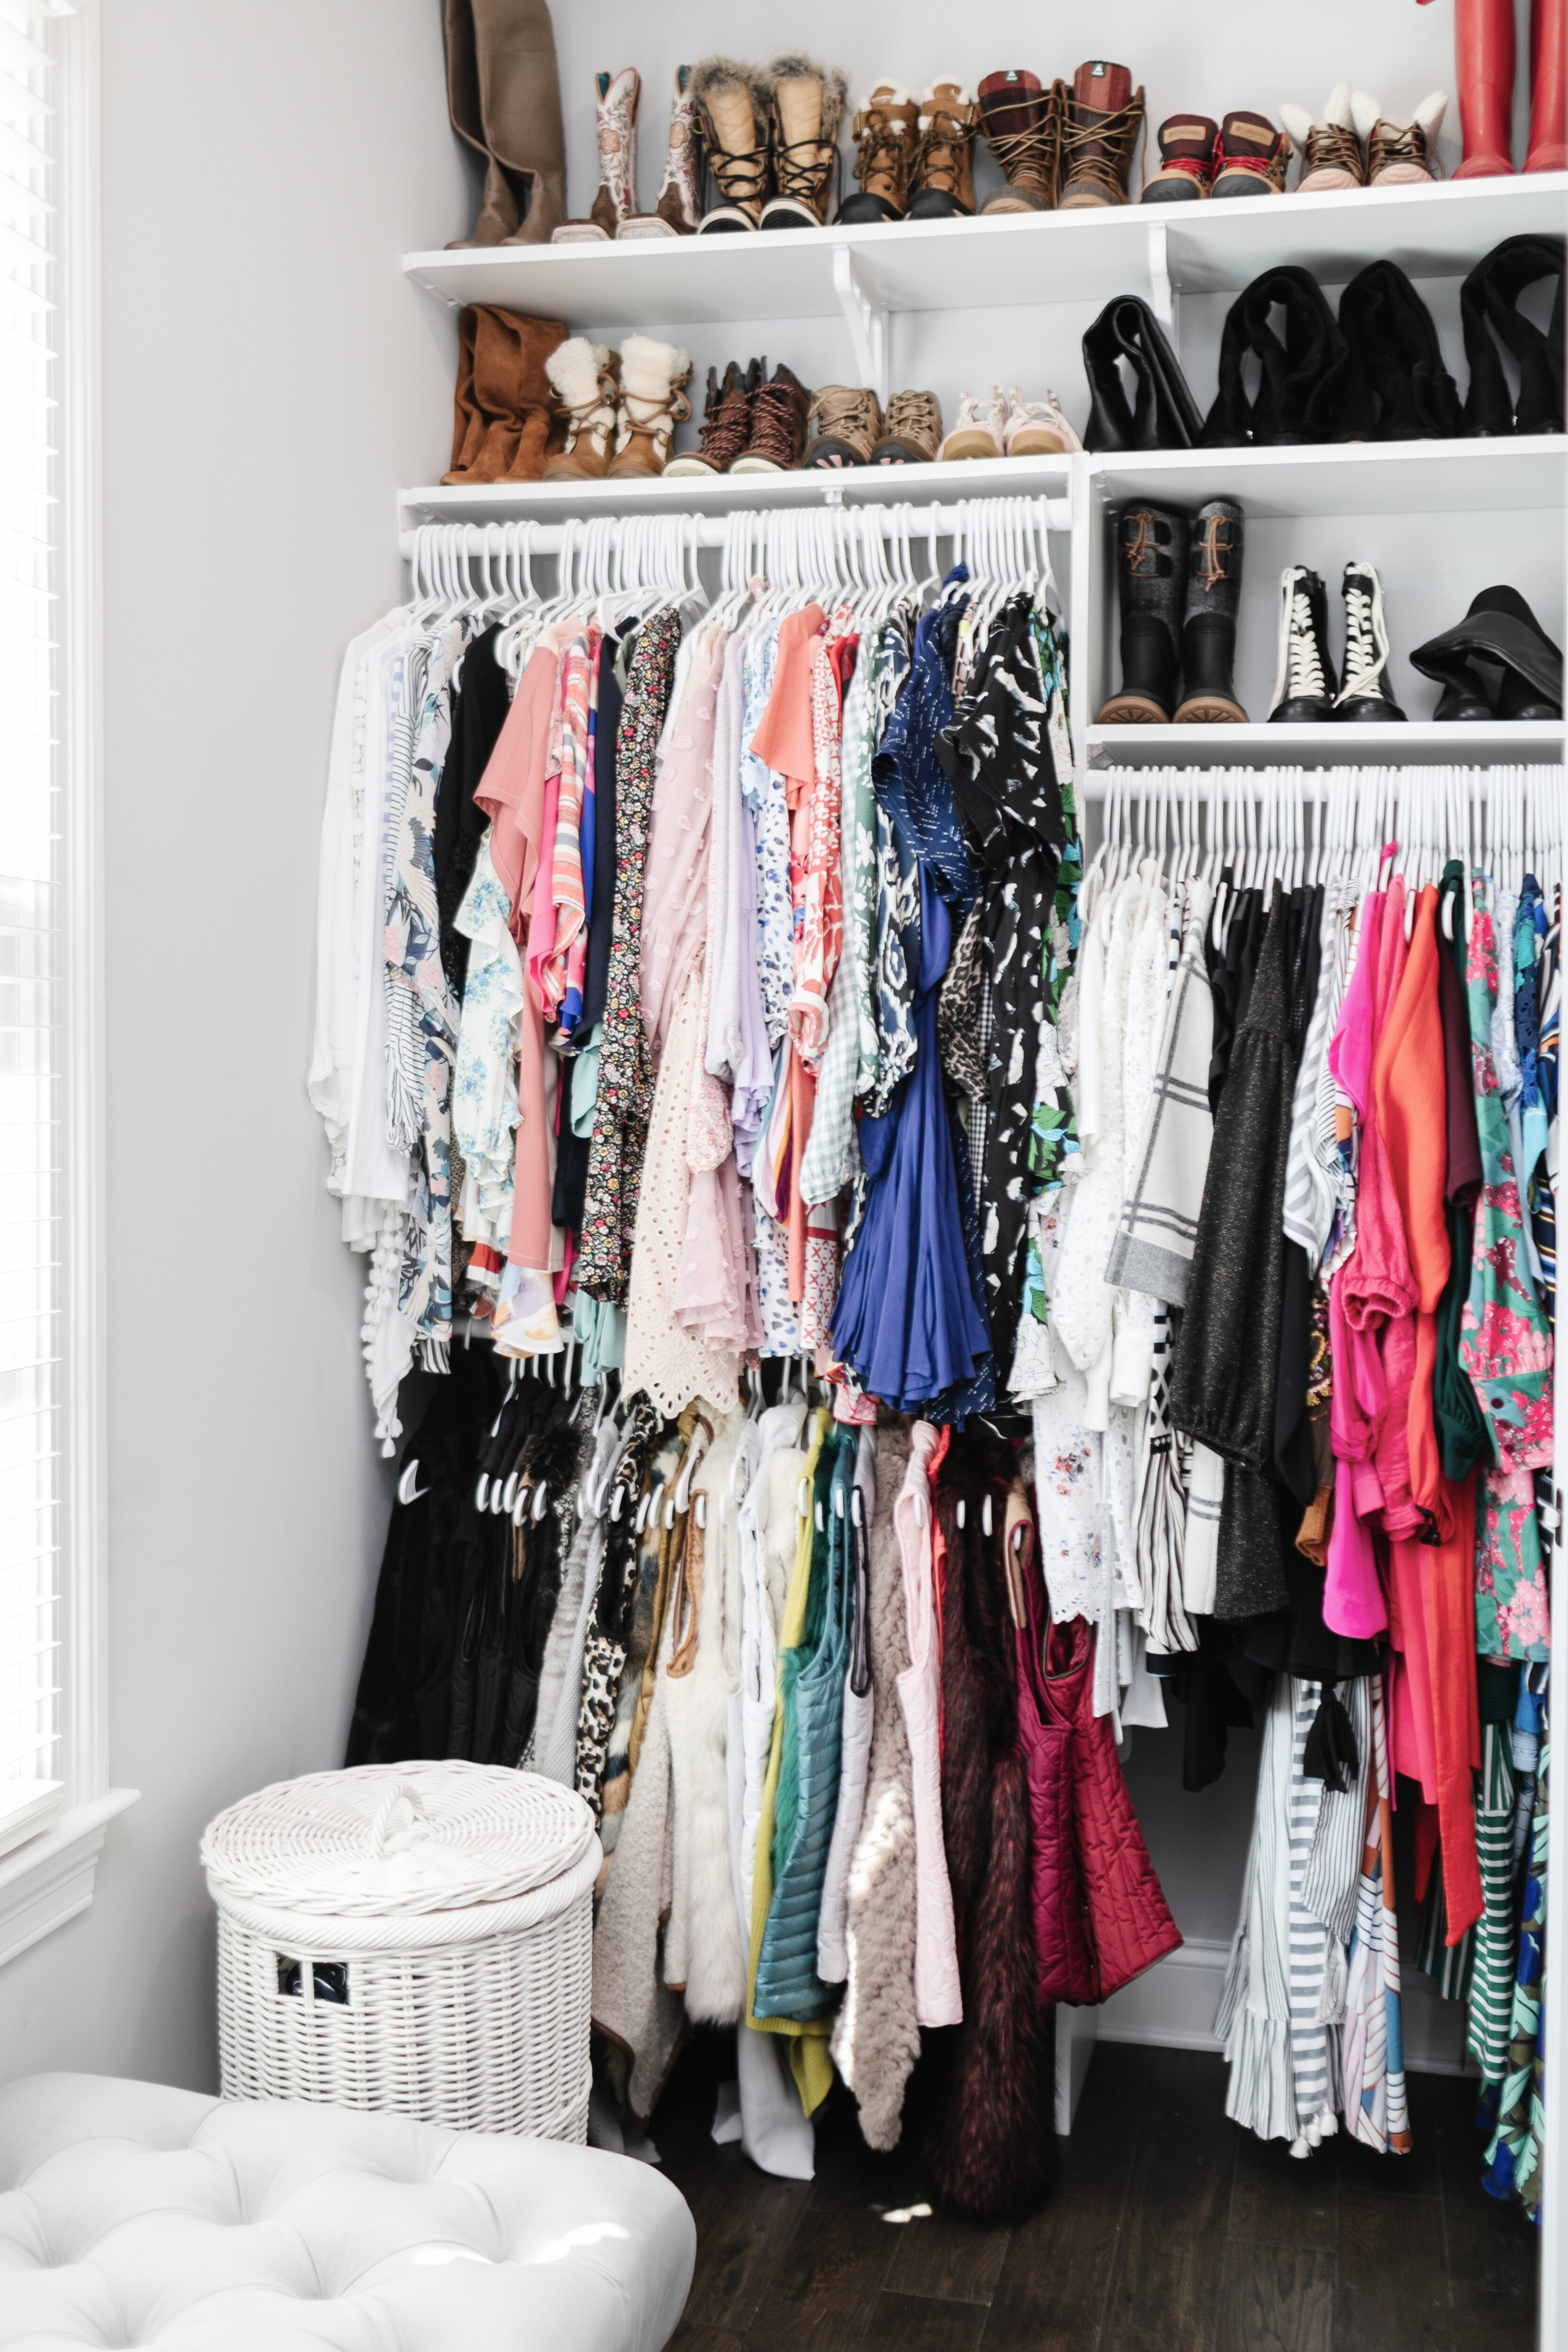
<point x="941" y="180"/>
<point x="675" y="207"/>
<point x="777" y="437"/>
<point x="1329" y="151"/>
<point x="982" y="422"/>
<point x="1037" y="428"/>
<point x="807" y="107"/>
<point x="1366" y="693"/>
<point x="615" y="198"/>
<point x="652" y="404"/>
<point x="1150" y="581"/>
<point x="732" y="103"/>
<point x="1251" y="158"/>
<point x="1304" y="683"/>
<point x="1101" y="117"/>
<point x="885" y="132"/>
<point x="911" y="430"/>
<point x="844" y="425"/>
<point x="583" y="378"/>
<point x="1187" y="161"/>
<point x="1020" y="125"/>
<point x="1400" y="154"/>
<point x="1208" y="629"/>
<point x="726" y="421"/>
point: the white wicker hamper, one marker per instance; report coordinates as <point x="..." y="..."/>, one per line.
<point x="411" y="1937"/>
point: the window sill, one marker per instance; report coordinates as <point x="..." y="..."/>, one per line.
<point x="48" y="1881"/>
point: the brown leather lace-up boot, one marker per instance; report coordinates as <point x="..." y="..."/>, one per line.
<point x="884" y="132"/>
<point x="1101" y="118"/>
<point x="943" y="175"/>
<point x="778" y="425"/>
<point x="1021" y="125"/>
<point x="726" y="421"/>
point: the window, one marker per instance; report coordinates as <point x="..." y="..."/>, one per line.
<point x="53" y="1801"/>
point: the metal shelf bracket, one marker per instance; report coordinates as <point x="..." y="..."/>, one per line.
<point x="866" y="319"/>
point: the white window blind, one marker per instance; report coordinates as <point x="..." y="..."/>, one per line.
<point x="31" y="896"/>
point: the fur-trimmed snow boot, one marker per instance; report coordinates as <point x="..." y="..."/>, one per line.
<point x="653" y="402"/>
<point x="615" y="198"/>
<point x="675" y="207"/>
<point x="803" y="132"/>
<point x="943" y="176"/>
<point x="1304" y="684"/>
<point x="1366" y="694"/>
<point x="885" y="132"/>
<point x="1327" y="143"/>
<point x="1150" y="583"/>
<point x="1208" y="630"/>
<point x="583" y="378"/>
<point x="1399" y="154"/>
<point x="732" y="103"/>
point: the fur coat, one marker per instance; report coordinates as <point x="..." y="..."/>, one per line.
<point x="632" y="2005"/>
<point x="876" y="2041"/>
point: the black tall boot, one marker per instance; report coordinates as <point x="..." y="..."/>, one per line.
<point x="1305" y="684"/>
<point x="1366" y="694"/>
<point x="1498" y="633"/>
<point x="1151" y="579"/>
<point x="1208" y="632"/>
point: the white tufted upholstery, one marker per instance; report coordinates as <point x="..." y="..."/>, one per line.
<point x="131" y="2214"/>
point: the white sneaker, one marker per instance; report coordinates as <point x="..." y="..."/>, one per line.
<point x="1037" y="428"/>
<point x="982" y="422"/>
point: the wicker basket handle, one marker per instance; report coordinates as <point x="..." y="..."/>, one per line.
<point x="400" y="1819"/>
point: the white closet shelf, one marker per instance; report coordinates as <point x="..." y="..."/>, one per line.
<point x="722" y="493"/>
<point x="1461" y="744"/>
<point x="1003" y="263"/>
<point x="1353" y="477"/>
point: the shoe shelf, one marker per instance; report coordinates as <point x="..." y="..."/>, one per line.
<point x="1020" y="259"/>
<point x="1386" y="477"/>
<point x="1460" y="745"/>
<point x="718" y="494"/>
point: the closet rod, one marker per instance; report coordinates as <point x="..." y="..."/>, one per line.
<point x="713" y="530"/>
<point x="1100" y="783"/>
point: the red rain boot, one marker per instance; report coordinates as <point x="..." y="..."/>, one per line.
<point x="1483" y="68"/>
<point x="1548" y="88"/>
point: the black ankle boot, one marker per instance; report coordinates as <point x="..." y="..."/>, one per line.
<point x="1208" y="632"/>
<point x="1501" y="632"/>
<point x="1366" y="694"/>
<point x="1150" y="581"/>
<point x="1305" y="685"/>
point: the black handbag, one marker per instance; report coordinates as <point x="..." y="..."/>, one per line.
<point x="1162" y="413"/>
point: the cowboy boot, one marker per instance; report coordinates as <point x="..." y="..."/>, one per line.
<point x="1101" y="118"/>
<point x="1020" y="125"/>
<point x="1150" y="580"/>
<point x="675" y="207"/>
<point x="884" y="132"/>
<point x="653" y="403"/>
<point x="943" y="175"/>
<point x="615" y="198"/>
<point x="732" y="103"/>
<point x="803" y="135"/>
<point x="508" y="393"/>
<point x="584" y="383"/>
<point x="1208" y="631"/>
<point x="503" y="93"/>
<point x="1548" y="150"/>
<point x="1483" y="68"/>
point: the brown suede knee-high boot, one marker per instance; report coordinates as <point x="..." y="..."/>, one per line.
<point x="503" y="92"/>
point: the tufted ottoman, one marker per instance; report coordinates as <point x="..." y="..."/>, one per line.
<point x="131" y="2214"/>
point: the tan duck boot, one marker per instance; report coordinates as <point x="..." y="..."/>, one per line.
<point x="615" y="198"/>
<point x="583" y="378"/>
<point x="807" y="108"/>
<point x="943" y="175"/>
<point x="653" y="402"/>
<point x="732" y="103"/>
<point x="885" y="132"/>
<point x="503" y="93"/>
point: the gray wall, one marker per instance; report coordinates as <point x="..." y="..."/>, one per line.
<point x="267" y="381"/>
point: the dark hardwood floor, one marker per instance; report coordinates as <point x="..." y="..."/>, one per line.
<point x="1171" y="2231"/>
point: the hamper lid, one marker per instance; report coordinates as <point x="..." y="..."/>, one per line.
<point x="389" y="1837"/>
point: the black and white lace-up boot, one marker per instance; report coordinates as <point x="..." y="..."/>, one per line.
<point x="1305" y="684"/>
<point x="1366" y="693"/>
